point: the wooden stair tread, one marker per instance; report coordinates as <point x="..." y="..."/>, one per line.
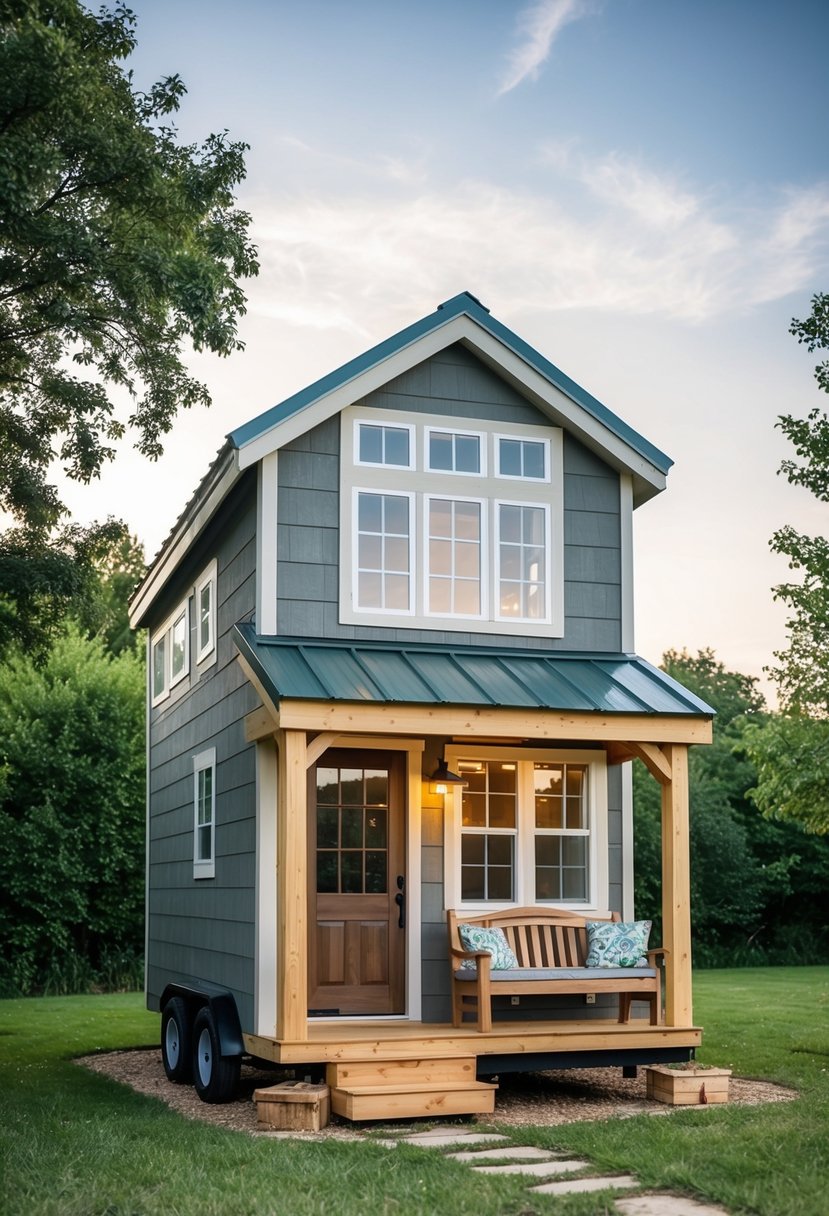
<point x="414" y="1088"/>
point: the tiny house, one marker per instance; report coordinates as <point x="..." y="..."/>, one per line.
<point x="391" y="675"/>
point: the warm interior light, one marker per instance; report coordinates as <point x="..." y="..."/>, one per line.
<point x="441" y="779"/>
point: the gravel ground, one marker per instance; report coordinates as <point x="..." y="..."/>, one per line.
<point x="539" y="1098"/>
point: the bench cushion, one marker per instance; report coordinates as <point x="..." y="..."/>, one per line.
<point x="552" y="974"/>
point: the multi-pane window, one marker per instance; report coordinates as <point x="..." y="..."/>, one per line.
<point x="384" y="445"/>
<point x="522" y="458"/>
<point x="561" y="831"/>
<point x="454" y="557"/>
<point x="384" y="556"/>
<point x="489" y="821"/>
<point x="352" y="831"/>
<point x="525" y="830"/>
<point x="522" y="561"/>
<point x="453" y="452"/>
<point x="204" y="814"/>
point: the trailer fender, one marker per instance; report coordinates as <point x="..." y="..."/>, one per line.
<point x="222" y="1005"/>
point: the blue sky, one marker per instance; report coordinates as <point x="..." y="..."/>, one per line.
<point x="639" y="187"/>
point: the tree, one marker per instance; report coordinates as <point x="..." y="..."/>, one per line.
<point x="791" y="753"/>
<point x="71" y="817"/>
<point x="118" y="244"/>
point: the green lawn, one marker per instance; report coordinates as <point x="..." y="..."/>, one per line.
<point x="75" y="1143"/>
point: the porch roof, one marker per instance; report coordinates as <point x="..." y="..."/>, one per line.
<point x="314" y="669"/>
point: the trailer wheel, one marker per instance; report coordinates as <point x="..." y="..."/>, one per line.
<point x="176" y="1046"/>
<point x="214" y="1076"/>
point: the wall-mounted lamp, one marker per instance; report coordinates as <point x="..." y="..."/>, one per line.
<point x="441" y="779"/>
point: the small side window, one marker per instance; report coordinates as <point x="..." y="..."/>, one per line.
<point x="159" y="662"/>
<point x="204" y="814"/>
<point x="180" y="646"/>
<point x="206" y="614"/>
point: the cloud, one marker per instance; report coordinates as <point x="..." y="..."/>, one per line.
<point x="607" y="234"/>
<point x="539" y="26"/>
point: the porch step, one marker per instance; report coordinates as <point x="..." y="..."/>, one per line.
<point x="360" y="1073"/>
<point x="413" y="1101"/>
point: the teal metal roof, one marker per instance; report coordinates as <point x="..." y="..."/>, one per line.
<point x="458" y="305"/>
<point x="311" y="669"/>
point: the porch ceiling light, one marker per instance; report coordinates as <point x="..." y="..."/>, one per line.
<point x="441" y="779"/>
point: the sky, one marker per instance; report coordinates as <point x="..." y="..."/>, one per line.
<point x="639" y="188"/>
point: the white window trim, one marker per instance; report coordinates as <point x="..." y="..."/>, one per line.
<point x="207" y="578"/>
<point x="498" y="436"/>
<point x="429" y="431"/>
<point x="597" y="866"/>
<point x="484" y="573"/>
<point x="390" y="424"/>
<point x="395" y="480"/>
<point x="547" y="619"/>
<point x="385" y="613"/>
<point x="203" y="761"/>
<point x="166" y="632"/>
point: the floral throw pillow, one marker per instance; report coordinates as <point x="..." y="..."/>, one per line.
<point x="617" y="943"/>
<point x="493" y="941"/>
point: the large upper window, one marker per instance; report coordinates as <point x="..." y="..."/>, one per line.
<point x="528" y="827"/>
<point x="414" y="542"/>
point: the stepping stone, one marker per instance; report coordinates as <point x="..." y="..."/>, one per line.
<point x="451" y="1139"/>
<point x="513" y="1153"/>
<point x="537" y="1169"/>
<point x="572" y="1186"/>
<point x="665" y="1205"/>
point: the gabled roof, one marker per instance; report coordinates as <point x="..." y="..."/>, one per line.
<point x="473" y="676"/>
<point x="461" y="319"/>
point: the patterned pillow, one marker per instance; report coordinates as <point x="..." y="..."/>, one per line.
<point x="493" y="941"/>
<point x="617" y="944"/>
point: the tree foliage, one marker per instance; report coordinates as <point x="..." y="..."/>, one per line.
<point x="117" y="244"/>
<point x="754" y="884"/>
<point x="791" y="753"/>
<point x="71" y="817"/>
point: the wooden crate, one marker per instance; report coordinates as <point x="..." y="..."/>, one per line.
<point x="293" y="1106"/>
<point x="687" y="1086"/>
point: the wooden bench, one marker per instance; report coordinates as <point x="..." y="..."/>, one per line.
<point x="551" y="947"/>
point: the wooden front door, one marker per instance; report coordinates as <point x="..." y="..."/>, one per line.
<point x="357" y="884"/>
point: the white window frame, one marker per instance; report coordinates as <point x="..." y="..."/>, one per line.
<point x="545" y="443"/>
<point x="424" y="482"/>
<point x="207" y="579"/>
<point x="388" y="424"/>
<point x="548" y="559"/>
<point x="483" y="544"/>
<point x="363" y="613"/>
<point x="524" y="858"/>
<point x="454" y="432"/>
<point x="164" y="636"/>
<point x="204" y="762"/>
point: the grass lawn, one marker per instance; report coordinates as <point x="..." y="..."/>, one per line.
<point x="75" y="1143"/>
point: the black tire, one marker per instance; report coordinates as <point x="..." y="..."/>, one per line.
<point x="176" y="1041"/>
<point x="214" y="1076"/>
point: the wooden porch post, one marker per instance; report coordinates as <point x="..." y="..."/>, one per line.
<point x="292" y="894"/>
<point x="676" y="888"/>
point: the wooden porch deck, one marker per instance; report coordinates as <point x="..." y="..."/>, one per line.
<point x="332" y="1041"/>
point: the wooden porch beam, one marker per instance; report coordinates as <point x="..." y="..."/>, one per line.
<point x="319" y="745"/>
<point x="259" y="724"/>
<point x="292" y="892"/>
<point x="676" y="889"/>
<point x="654" y="760"/>
<point x="345" y="717"/>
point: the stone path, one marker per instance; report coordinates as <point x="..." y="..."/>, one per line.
<point x="487" y="1153"/>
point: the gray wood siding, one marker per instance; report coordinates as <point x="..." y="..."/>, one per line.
<point x="457" y="384"/>
<point x="203" y="929"/>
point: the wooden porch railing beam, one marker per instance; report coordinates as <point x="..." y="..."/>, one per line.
<point x="676" y="889"/>
<point x="292" y="889"/>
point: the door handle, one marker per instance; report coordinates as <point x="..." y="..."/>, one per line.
<point x="400" y="900"/>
